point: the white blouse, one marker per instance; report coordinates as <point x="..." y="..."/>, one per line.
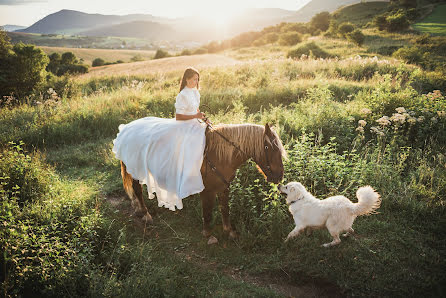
<point x="188" y="101"/>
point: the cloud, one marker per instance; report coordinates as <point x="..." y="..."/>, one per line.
<point x="20" y="2"/>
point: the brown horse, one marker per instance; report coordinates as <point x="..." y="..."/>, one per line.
<point x="227" y="148"/>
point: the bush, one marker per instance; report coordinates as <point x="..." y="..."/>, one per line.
<point x="380" y="21"/>
<point x="22" y="70"/>
<point x="22" y="176"/>
<point x="98" y="62"/>
<point x="310" y="49"/>
<point x="200" y="51"/>
<point x="185" y="52"/>
<point x="161" y="54"/>
<point x="321" y="21"/>
<point x="409" y="54"/>
<point x="397" y="22"/>
<point x="356" y="37"/>
<point x="387" y="50"/>
<point x="290" y="38"/>
<point x="345" y="28"/>
<point x="137" y="58"/>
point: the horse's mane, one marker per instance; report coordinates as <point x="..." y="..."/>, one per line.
<point x="249" y="137"/>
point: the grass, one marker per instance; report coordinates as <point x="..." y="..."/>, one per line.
<point x="360" y="14"/>
<point x="96" y="249"/>
<point x="435" y="23"/>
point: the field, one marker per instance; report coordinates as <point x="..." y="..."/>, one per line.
<point x="361" y="118"/>
<point x="88" y="55"/>
<point x="435" y="23"/>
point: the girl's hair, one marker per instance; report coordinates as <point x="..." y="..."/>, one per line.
<point x="189" y="73"/>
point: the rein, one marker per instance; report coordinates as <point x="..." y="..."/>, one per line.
<point x="212" y="165"/>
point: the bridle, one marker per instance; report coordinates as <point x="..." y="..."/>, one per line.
<point x="209" y="126"/>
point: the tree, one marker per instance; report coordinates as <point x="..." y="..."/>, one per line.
<point x="160" y="54"/>
<point x="380" y="21"/>
<point x="54" y="64"/>
<point x="28" y="64"/>
<point x="68" y="58"/>
<point x="290" y="39"/>
<point x="321" y="21"/>
<point x="98" y="62"/>
<point x="397" y="22"/>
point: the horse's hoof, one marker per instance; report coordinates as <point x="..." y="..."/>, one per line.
<point x="212" y="240"/>
<point x="148" y="218"/>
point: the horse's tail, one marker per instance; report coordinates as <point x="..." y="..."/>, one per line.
<point x="127" y="182"/>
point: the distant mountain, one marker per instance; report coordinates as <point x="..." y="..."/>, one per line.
<point x="139" y="29"/>
<point x="195" y="28"/>
<point x="316" y="6"/>
<point x="10" y="28"/>
<point x="73" y="22"/>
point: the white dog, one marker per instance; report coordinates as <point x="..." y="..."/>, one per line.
<point x="335" y="213"/>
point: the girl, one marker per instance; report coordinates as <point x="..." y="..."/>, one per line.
<point x="166" y="154"/>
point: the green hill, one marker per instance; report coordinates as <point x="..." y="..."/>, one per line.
<point x="435" y="23"/>
<point x="360" y="14"/>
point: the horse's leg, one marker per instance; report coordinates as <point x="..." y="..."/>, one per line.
<point x="223" y="199"/>
<point x="207" y="204"/>
<point x="134" y="191"/>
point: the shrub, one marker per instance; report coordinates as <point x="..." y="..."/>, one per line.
<point x="137" y="58"/>
<point x="409" y="54"/>
<point x="356" y="37"/>
<point x="321" y="21"/>
<point x="271" y="37"/>
<point x="387" y="50"/>
<point x="200" y="51"/>
<point x="98" y="62"/>
<point x="380" y="21"/>
<point x="310" y="49"/>
<point x="68" y="58"/>
<point x="345" y="28"/>
<point x="185" y="52"/>
<point x="161" y="54"/>
<point x="397" y="22"/>
<point x="23" y="176"/>
<point x="290" y="38"/>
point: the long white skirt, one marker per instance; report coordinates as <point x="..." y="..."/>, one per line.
<point x="165" y="154"/>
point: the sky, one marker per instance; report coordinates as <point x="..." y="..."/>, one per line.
<point x="27" y="12"/>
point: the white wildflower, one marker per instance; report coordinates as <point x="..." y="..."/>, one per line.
<point x="412" y="120"/>
<point x="362" y="123"/>
<point x="398" y="118"/>
<point x="401" y="110"/>
<point x="441" y="114"/>
<point x="420" y="119"/>
<point x="365" y="111"/>
<point x="384" y="121"/>
<point x="360" y="129"/>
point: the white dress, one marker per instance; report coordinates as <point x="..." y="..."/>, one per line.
<point x="165" y="154"/>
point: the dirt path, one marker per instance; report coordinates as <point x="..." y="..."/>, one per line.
<point x="161" y="65"/>
<point x="280" y="282"/>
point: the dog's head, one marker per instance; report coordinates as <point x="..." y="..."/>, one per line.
<point x="294" y="191"/>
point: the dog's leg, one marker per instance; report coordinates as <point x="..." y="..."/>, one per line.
<point x="293" y="233"/>
<point x="335" y="241"/>
<point x="349" y="232"/>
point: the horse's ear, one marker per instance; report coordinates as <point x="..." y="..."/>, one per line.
<point x="268" y="130"/>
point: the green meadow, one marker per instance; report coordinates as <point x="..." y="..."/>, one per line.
<point x="359" y="117"/>
<point x="435" y="23"/>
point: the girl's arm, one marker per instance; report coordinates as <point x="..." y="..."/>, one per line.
<point x="198" y="115"/>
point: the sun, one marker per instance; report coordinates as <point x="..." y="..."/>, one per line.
<point x="220" y="15"/>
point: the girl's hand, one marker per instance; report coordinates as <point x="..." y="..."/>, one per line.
<point x="200" y="115"/>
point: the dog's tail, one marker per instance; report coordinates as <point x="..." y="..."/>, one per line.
<point x="368" y="201"/>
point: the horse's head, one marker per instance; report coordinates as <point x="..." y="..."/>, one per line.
<point x="270" y="164"/>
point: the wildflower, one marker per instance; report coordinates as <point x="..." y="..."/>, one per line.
<point x="365" y="111"/>
<point x="384" y="121"/>
<point x="441" y="114"/>
<point x="398" y="118"/>
<point x="401" y="110"/>
<point x="420" y="119"/>
<point x="412" y="120"/>
<point x="362" y="123"/>
<point x="360" y="129"/>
